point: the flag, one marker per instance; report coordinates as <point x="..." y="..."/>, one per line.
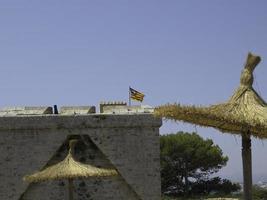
<point x="138" y="96"/>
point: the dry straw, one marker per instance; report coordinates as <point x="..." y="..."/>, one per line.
<point x="245" y="113"/>
<point x="70" y="169"/>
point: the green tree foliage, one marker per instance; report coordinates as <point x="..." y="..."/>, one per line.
<point x="187" y="159"/>
<point x="259" y="193"/>
<point x="214" y="185"/>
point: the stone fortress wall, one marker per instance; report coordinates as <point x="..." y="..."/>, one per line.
<point x="121" y="137"/>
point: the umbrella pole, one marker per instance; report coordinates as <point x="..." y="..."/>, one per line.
<point x="247" y="166"/>
<point x="70" y="189"/>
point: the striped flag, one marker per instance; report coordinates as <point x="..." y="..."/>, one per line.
<point x="134" y="94"/>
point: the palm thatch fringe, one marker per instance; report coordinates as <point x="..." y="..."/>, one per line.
<point x="244" y="114"/>
<point x="69" y="169"/>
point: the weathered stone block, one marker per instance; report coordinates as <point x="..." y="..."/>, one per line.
<point x="73" y="110"/>
<point x="129" y="143"/>
<point x="26" y="110"/>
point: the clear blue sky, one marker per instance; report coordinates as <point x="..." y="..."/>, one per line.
<point x="83" y="52"/>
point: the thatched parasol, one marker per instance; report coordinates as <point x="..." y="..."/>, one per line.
<point x="69" y="169"/>
<point x="245" y="113"/>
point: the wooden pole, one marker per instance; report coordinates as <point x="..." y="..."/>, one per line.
<point x="247" y="166"/>
<point x="70" y="189"/>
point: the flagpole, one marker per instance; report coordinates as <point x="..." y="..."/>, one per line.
<point x="129" y="96"/>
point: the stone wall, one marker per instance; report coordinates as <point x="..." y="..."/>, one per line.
<point x="127" y="142"/>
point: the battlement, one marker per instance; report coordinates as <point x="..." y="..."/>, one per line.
<point x="26" y="110"/>
<point x="104" y="107"/>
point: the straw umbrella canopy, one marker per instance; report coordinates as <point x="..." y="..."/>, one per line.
<point x="69" y="169"/>
<point x="245" y="113"/>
